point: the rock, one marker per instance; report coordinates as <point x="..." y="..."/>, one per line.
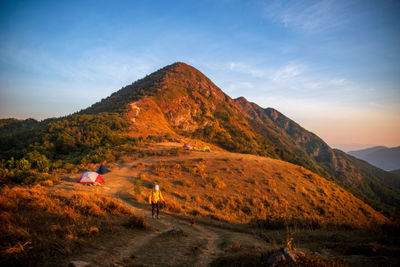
<point x="276" y="258"/>
<point x="174" y="232"/>
<point x="289" y="255"/>
<point x="284" y="255"/>
<point x="79" y="264"/>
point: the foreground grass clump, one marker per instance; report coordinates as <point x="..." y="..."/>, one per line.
<point x="36" y="225"/>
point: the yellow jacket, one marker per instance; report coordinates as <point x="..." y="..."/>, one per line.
<point x="155" y="196"/>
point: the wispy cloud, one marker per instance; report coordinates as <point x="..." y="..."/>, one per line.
<point x="245" y="68"/>
<point x="288" y="72"/>
<point x="297" y="80"/>
<point x="307" y="16"/>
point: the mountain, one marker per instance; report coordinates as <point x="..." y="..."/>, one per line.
<point x="179" y="102"/>
<point x="380" y="156"/>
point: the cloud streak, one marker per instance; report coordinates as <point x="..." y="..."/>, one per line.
<point x="307" y="16"/>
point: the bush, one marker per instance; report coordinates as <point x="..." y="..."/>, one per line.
<point x="23" y="165"/>
<point x="137" y="222"/>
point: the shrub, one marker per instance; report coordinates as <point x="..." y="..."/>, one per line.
<point x="23" y="165"/>
<point x="173" y="206"/>
<point x="218" y="183"/>
<point x="137" y="222"/>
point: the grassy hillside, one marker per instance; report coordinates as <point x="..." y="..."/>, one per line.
<point x="37" y="227"/>
<point x="242" y="188"/>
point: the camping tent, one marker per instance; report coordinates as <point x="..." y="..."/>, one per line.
<point x="102" y="169"/>
<point x="206" y="149"/>
<point x="90" y="177"/>
<point x="188" y="146"/>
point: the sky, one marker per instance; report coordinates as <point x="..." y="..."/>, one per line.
<point x="332" y="66"/>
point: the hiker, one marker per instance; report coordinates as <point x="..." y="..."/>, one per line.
<point x="155" y="199"/>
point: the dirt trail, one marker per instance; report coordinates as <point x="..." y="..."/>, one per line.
<point x="211" y="235"/>
<point x="211" y="251"/>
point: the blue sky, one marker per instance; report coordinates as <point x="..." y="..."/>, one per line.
<point x="332" y="66"/>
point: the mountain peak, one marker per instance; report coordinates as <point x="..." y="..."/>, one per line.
<point x="180" y="67"/>
<point x="173" y="81"/>
<point x="179" y="64"/>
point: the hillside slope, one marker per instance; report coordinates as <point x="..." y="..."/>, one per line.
<point x="366" y="181"/>
<point x="238" y="188"/>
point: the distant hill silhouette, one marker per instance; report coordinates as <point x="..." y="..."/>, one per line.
<point x="380" y="156"/>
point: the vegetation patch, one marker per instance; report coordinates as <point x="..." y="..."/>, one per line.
<point x="38" y="226"/>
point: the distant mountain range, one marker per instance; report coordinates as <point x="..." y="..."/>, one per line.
<point x="380" y="156"/>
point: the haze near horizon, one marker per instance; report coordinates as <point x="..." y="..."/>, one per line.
<point x="332" y="66"/>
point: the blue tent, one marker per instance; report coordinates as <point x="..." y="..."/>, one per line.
<point x="102" y="169"/>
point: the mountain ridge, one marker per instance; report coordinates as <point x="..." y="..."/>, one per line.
<point x="178" y="101"/>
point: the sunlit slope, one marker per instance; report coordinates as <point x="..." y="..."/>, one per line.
<point x="239" y="188"/>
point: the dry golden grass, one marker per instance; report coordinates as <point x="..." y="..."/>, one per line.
<point x="36" y="225"/>
<point x="244" y="189"/>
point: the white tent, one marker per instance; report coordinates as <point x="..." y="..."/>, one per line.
<point x="90" y="177"/>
